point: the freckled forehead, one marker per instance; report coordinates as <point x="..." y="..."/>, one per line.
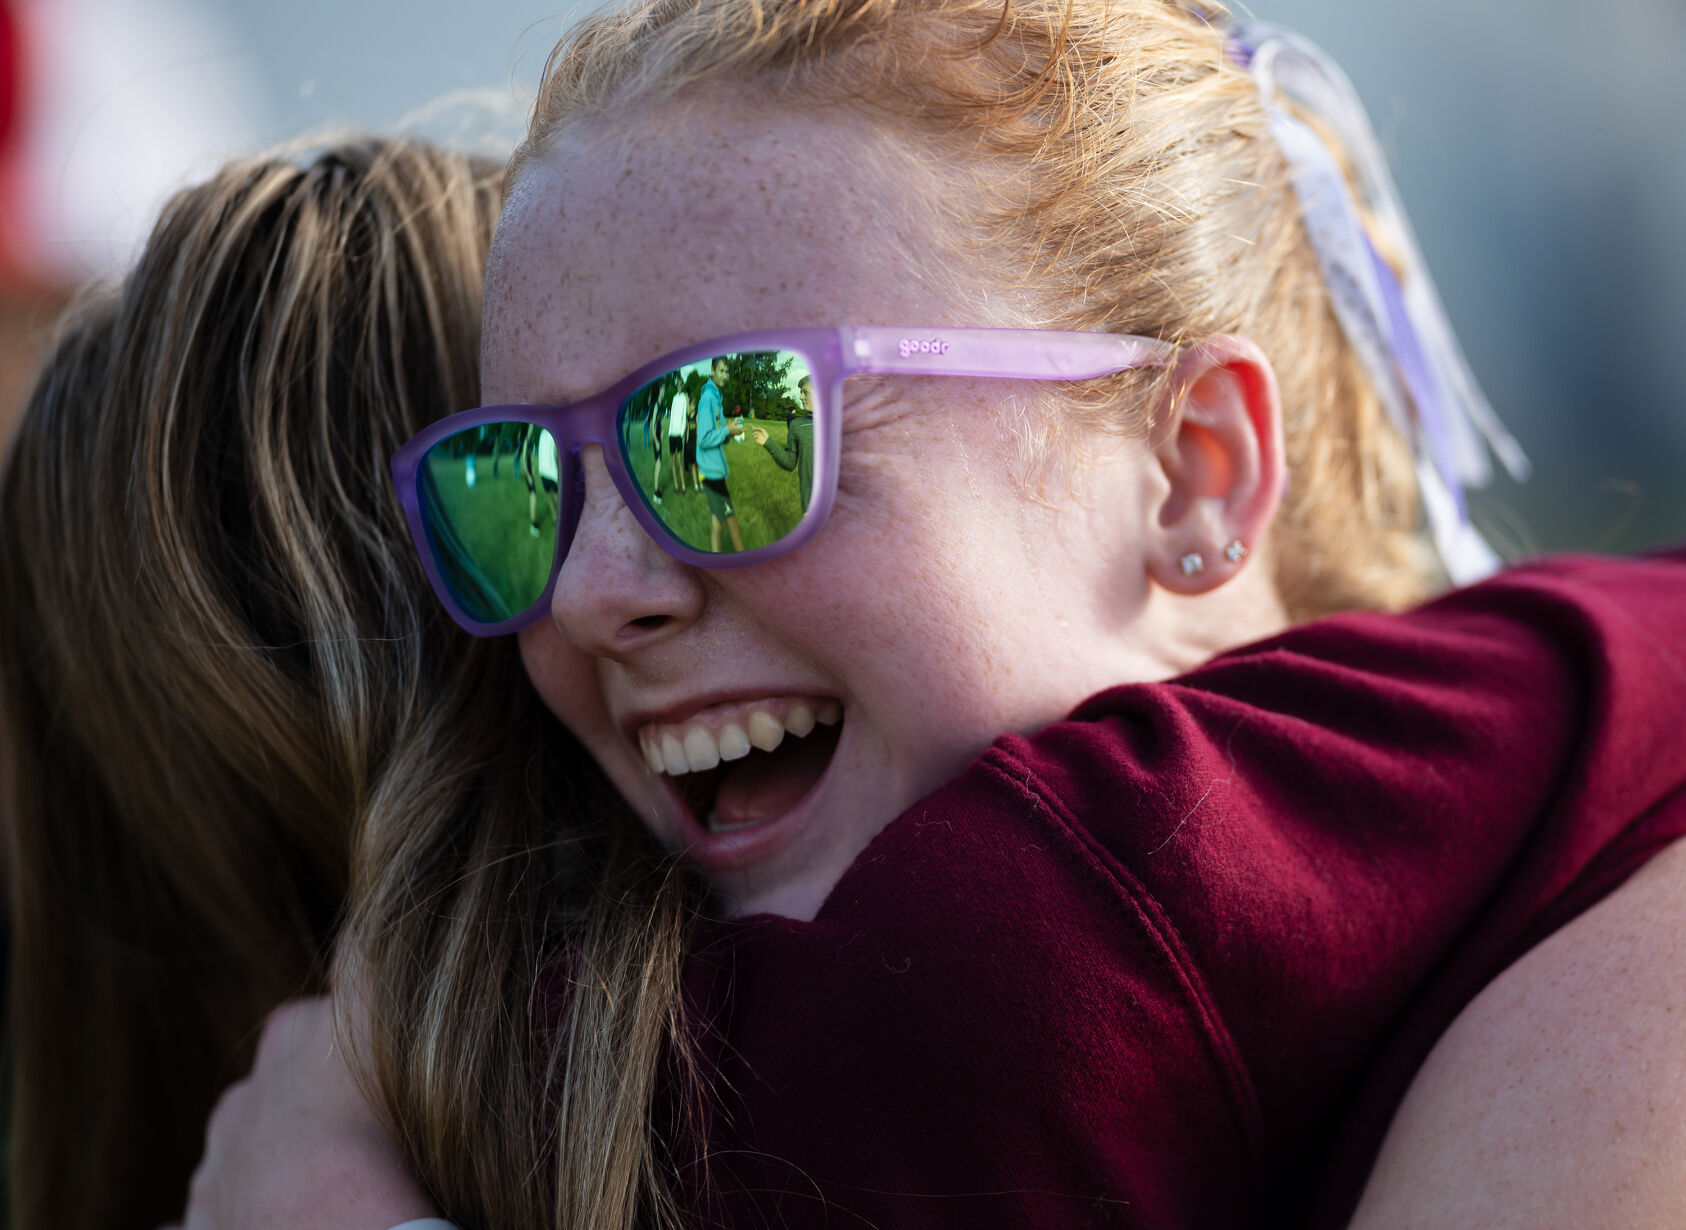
<point x="639" y="234"/>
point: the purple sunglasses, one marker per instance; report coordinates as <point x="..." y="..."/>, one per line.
<point x="493" y="536"/>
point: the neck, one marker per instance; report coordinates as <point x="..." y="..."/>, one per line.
<point x="1194" y="630"/>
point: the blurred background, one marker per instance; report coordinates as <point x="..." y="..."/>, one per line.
<point x="1540" y="147"/>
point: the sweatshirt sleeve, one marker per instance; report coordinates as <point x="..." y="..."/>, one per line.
<point x="711" y="421"/>
<point x="1357" y="825"/>
<point x="782" y="459"/>
<point x="1137" y="969"/>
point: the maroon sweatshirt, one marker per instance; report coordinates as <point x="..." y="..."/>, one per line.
<point x="1172" y="963"/>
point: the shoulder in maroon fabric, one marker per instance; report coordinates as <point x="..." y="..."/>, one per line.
<point x="1172" y="962"/>
<point x="985" y="1029"/>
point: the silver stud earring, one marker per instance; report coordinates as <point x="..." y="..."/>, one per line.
<point x="1192" y="564"/>
<point x="1235" y="552"/>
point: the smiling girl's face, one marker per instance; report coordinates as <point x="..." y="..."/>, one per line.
<point x="941" y="605"/>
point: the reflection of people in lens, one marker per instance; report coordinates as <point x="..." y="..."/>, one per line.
<point x="655" y="437"/>
<point x="536" y="463"/>
<point x="712" y="433"/>
<point x="797" y="452"/>
<point x="691" y="444"/>
<point x="677" y="416"/>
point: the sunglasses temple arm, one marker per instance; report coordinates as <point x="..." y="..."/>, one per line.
<point x="1023" y="354"/>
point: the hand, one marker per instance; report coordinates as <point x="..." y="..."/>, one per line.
<point x="295" y="1144"/>
<point x="759" y="434"/>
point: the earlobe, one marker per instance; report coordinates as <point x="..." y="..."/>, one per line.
<point x="1221" y="455"/>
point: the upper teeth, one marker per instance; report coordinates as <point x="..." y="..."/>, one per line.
<point x="701" y="751"/>
<point x="728" y="733"/>
<point x="734" y="744"/>
<point x="765" y="731"/>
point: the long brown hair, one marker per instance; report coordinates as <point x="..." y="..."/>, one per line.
<point x="219" y="658"/>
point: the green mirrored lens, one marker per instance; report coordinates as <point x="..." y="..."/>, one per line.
<point x="489" y="501"/>
<point x="723" y="450"/>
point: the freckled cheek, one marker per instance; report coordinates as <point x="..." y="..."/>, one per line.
<point x="967" y="627"/>
<point x="949" y="565"/>
<point x="900" y="594"/>
<point x="903" y="633"/>
<point x="566" y="680"/>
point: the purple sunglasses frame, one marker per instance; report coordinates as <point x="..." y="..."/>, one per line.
<point x="831" y="353"/>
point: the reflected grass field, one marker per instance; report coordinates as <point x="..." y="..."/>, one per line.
<point x="490" y="517"/>
<point x="765" y="498"/>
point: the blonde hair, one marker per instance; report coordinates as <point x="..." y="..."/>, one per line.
<point x="1124" y="173"/>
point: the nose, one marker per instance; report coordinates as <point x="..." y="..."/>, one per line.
<point x="619" y="592"/>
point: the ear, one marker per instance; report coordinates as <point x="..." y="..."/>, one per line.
<point x="1220" y="448"/>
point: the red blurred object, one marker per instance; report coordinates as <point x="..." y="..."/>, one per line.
<point x="13" y="62"/>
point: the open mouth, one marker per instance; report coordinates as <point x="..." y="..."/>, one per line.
<point x="740" y="765"/>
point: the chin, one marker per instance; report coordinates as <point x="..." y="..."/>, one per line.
<point x="800" y="899"/>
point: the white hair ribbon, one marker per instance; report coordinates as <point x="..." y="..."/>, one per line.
<point x="1395" y="323"/>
